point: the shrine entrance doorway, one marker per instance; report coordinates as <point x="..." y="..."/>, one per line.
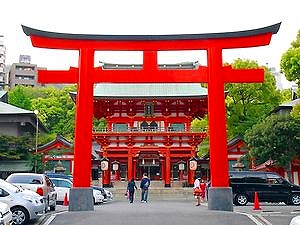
<point x="153" y="171"/>
<point x="149" y="163"/>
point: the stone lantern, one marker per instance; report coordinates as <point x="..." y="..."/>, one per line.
<point x="238" y="166"/>
<point x="59" y="167"/>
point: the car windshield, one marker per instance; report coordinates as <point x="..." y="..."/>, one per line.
<point x="25" y="179"/>
<point x="9" y="187"/>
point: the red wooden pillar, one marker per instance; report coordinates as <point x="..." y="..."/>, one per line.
<point x="180" y="175"/>
<point x="106" y="178"/>
<point x="217" y="120"/>
<point x="84" y="115"/>
<point x="134" y="169"/>
<point x="168" y="171"/>
<point x="118" y="175"/>
<point x="217" y="134"/>
<point x="191" y="174"/>
<point x="129" y="168"/>
<point x="163" y="170"/>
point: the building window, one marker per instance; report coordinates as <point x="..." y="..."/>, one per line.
<point x="120" y="127"/>
<point x="177" y="127"/>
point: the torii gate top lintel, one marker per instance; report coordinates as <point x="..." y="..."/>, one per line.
<point x="247" y="38"/>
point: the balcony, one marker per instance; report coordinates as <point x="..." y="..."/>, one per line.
<point x="149" y="137"/>
<point x="168" y="130"/>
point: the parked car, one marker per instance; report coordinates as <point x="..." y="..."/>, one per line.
<point x="5" y="214"/>
<point x="59" y="175"/>
<point x="295" y="221"/>
<point x="108" y="196"/>
<point x="62" y="187"/>
<point x="38" y="183"/>
<point x="269" y="186"/>
<point x="25" y="205"/>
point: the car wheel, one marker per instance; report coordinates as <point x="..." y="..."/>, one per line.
<point x="295" y="199"/>
<point x="241" y="199"/>
<point x="20" y="215"/>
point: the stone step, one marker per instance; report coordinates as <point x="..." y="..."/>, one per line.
<point x="157" y="193"/>
<point x="154" y="184"/>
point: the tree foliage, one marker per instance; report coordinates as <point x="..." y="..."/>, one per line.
<point x="277" y="138"/>
<point x="15" y="148"/>
<point x="290" y="61"/>
<point x="20" y="97"/>
<point x="56" y="108"/>
<point x="202" y="124"/>
<point x="249" y="103"/>
<point x="295" y="113"/>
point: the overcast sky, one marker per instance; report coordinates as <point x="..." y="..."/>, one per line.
<point x="146" y="17"/>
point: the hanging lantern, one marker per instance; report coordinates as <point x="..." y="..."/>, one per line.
<point x="181" y="166"/>
<point x="193" y="164"/>
<point x="143" y="161"/>
<point x="104" y="164"/>
<point x="153" y="161"/>
<point x="115" y="166"/>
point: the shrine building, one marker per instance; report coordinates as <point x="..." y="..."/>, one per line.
<point x="148" y="128"/>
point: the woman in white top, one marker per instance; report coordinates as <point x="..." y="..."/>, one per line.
<point x="197" y="190"/>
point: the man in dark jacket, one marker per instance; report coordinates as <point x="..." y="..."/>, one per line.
<point x="130" y="190"/>
<point x="145" y="183"/>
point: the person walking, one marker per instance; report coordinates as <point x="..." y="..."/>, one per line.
<point x="130" y="190"/>
<point x="145" y="183"/>
<point x="197" y="190"/>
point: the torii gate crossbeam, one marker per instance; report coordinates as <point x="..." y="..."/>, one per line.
<point x="215" y="74"/>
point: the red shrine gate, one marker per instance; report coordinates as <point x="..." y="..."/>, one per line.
<point x="215" y="74"/>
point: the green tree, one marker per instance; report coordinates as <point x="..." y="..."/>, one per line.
<point x="99" y="124"/>
<point x="248" y="103"/>
<point x="295" y="113"/>
<point x="15" y="148"/>
<point x="56" y="110"/>
<point x="202" y="124"/>
<point x="290" y="62"/>
<point x="277" y="138"/>
<point x="55" y="106"/>
<point x="19" y="97"/>
<point x="286" y="95"/>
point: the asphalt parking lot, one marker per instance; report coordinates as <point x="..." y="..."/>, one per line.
<point x="171" y="213"/>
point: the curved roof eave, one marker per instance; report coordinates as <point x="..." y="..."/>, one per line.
<point x="245" y="33"/>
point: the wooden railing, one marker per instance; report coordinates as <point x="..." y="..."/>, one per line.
<point x="146" y="130"/>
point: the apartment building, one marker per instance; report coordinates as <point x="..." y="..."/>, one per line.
<point x="23" y="73"/>
<point x="2" y="63"/>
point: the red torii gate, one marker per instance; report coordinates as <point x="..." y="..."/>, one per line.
<point x="215" y="74"/>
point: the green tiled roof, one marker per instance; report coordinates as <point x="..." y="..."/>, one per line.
<point x="10" y="109"/>
<point x="150" y="90"/>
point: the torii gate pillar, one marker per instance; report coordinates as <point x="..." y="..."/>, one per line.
<point x="215" y="74"/>
<point x="220" y="197"/>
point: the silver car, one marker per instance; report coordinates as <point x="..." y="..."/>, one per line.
<point x="5" y="214"/>
<point x="24" y="205"/>
<point x="38" y="183"/>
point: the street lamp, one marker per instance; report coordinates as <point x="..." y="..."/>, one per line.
<point x="36" y="112"/>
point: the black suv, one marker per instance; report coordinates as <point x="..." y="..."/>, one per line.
<point x="270" y="188"/>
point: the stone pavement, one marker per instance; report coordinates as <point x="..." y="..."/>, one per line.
<point x="151" y="213"/>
